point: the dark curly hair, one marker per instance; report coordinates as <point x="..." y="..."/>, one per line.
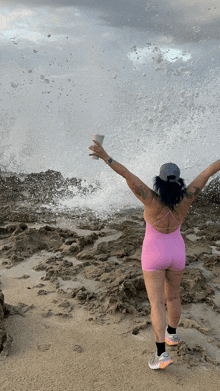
<point x="171" y="193"/>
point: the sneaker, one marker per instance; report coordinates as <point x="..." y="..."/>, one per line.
<point x="160" y="362"/>
<point x="171" y="339"/>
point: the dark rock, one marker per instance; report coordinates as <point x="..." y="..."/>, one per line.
<point x="31" y="241"/>
<point x="68" y="242"/>
<point x="19" y="309"/>
<point x="101" y="257"/>
<point x="130" y="240"/>
<point x="43" y="347"/>
<point x="211" y="262"/>
<point x="193" y="356"/>
<point x="64" y="304"/>
<point x="78" y="349"/>
<point x="24" y="276"/>
<point x="194" y="287"/>
<point x="92" y="226"/>
<point x="87" y="254"/>
<point x="42" y="292"/>
<point x="74" y="248"/>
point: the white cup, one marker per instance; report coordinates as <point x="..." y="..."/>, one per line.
<point x="99" y="138"/>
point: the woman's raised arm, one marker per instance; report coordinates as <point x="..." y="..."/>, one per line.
<point x="140" y="190"/>
<point x="213" y="168"/>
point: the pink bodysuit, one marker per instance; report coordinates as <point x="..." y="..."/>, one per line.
<point x="163" y="251"/>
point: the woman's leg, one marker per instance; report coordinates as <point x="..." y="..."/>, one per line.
<point x="172" y="291"/>
<point x="154" y="282"/>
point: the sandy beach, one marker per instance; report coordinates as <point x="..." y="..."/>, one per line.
<point x="74" y="309"/>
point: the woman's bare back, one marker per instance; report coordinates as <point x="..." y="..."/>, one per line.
<point x="155" y="211"/>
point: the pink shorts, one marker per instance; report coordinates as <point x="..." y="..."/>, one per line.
<point x="163" y="251"/>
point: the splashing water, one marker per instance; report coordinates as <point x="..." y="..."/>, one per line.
<point x="172" y="115"/>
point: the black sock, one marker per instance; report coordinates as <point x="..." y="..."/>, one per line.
<point x="160" y="348"/>
<point x="171" y="330"/>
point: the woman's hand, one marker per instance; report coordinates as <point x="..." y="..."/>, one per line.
<point x="98" y="151"/>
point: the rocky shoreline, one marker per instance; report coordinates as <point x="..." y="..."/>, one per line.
<point x="106" y="256"/>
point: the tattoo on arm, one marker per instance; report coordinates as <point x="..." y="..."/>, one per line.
<point x="191" y="195"/>
<point x="140" y="191"/>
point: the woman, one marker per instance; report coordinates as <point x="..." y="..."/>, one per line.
<point x="163" y="252"/>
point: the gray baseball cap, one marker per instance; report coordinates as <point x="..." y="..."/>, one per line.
<point x="169" y="169"/>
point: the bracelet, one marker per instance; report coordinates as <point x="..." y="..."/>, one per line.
<point x="110" y="161"/>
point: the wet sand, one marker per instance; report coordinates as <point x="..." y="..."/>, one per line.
<point x="74" y="309"/>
